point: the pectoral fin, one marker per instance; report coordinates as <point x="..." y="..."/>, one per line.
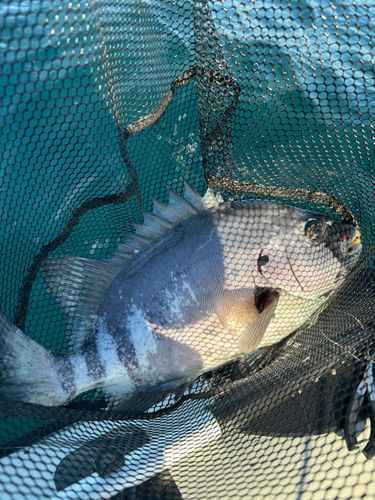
<point x="236" y="309"/>
<point x="254" y="333"/>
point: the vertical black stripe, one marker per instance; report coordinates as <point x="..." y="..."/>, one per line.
<point x="125" y="349"/>
<point x="65" y="375"/>
<point x="96" y="371"/>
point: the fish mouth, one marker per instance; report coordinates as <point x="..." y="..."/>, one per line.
<point x="355" y="241"/>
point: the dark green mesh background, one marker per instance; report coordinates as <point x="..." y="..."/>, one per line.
<point x="283" y="96"/>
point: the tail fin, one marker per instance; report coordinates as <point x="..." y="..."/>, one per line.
<point x="27" y="369"/>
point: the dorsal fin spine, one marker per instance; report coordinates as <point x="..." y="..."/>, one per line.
<point x="165" y="212"/>
<point x="180" y="205"/>
<point x="136" y="241"/>
<point x="194" y="198"/>
<point x="153" y="222"/>
<point x="142" y="230"/>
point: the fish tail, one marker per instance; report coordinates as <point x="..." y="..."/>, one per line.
<point x="28" y="371"/>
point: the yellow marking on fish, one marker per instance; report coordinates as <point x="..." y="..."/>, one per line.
<point x="356" y="241"/>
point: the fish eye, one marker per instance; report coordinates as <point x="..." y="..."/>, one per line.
<point x="314" y="230"/>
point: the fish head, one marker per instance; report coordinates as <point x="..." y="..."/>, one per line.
<point x="307" y="255"/>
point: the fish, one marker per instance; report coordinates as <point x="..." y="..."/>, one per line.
<point x="200" y="283"/>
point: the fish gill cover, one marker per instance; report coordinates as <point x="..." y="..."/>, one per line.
<point x="108" y="104"/>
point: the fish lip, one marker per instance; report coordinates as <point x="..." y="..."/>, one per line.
<point x="355" y="241"/>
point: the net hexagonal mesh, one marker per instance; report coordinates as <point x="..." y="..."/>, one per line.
<point x="223" y="346"/>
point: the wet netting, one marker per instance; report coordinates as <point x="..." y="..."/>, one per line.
<point x="162" y="334"/>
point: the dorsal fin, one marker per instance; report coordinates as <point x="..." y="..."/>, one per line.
<point x="166" y="216"/>
<point x="137" y="242"/>
<point x="154" y="223"/>
<point x="79" y="283"/>
<point x="164" y="212"/>
<point x="194" y="198"/>
<point x="180" y="206"/>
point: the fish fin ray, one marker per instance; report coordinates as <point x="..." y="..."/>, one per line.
<point x="254" y="333"/>
<point x="155" y="223"/>
<point x="137" y="242"/>
<point x="143" y="230"/>
<point x="27" y="369"/>
<point x="78" y="285"/>
<point x="122" y="254"/>
<point x="165" y="212"/>
<point x="181" y="206"/>
<point x="194" y="198"/>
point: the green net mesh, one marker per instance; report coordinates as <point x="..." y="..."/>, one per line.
<point x="108" y="104"/>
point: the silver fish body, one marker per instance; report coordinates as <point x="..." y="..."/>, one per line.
<point x="224" y="281"/>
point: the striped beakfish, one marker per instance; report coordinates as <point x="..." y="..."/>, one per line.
<point x="198" y="284"/>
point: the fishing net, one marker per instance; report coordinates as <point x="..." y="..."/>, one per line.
<point x="108" y="104"/>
